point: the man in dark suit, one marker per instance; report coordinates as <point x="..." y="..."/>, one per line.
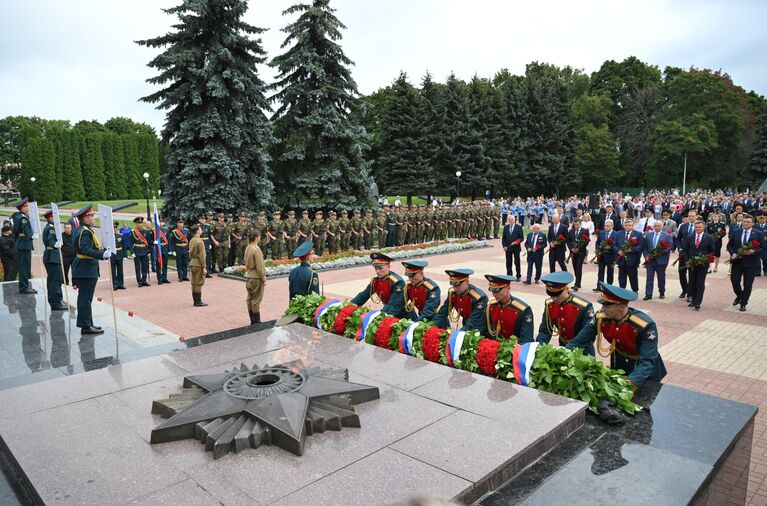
<point x="611" y="215"/>
<point x="628" y="260"/>
<point x="699" y="243"/>
<point x="657" y="241"/>
<point x="684" y="231"/>
<point x="557" y="249"/>
<point x="534" y="245"/>
<point x="606" y="260"/>
<point x="577" y="254"/>
<point x="747" y="265"/>
<point x="513" y="237"/>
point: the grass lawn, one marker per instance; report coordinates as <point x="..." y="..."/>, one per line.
<point x="139" y="207"/>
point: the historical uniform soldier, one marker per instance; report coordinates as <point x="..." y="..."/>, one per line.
<point x="422" y="295"/>
<point x="116" y="260"/>
<point x="256" y="276"/>
<point x="23" y="236"/>
<point x="356" y="230"/>
<point x="626" y="335"/>
<point x="507" y="315"/>
<point x="219" y="235"/>
<point x="162" y="247"/>
<point x="565" y="315"/>
<point x="464" y="302"/>
<point x="344" y="229"/>
<point x="197" y="263"/>
<point x="291" y="231"/>
<point x="205" y="236"/>
<point x="141" y="241"/>
<point x="85" y="268"/>
<point x="369" y="235"/>
<point x="276" y="234"/>
<point x="385" y="287"/>
<point x="302" y="280"/>
<point x="319" y="233"/>
<point x="180" y="246"/>
<point x="52" y="261"/>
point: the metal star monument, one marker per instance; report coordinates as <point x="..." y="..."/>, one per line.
<point x="249" y="407"/>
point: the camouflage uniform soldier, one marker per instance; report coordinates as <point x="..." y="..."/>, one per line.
<point x="368" y="230"/>
<point x="413" y="228"/>
<point x="220" y="235"/>
<point x="356" y="230"/>
<point x="496" y="220"/>
<point x="401" y="226"/>
<point x="380" y="228"/>
<point x="304" y="229"/>
<point x="240" y="237"/>
<point x="344" y="228"/>
<point x="275" y="231"/>
<point x="453" y="223"/>
<point x="291" y="229"/>
<point x="261" y="226"/>
<point x="319" y="233"/>
<point x="230" y="224"/>
<point x="334" y="236"/>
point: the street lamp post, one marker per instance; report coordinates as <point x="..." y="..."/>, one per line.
<point x="32" y="180"/>
<point x="146" y="193"/>
<point x="458" y="182"/>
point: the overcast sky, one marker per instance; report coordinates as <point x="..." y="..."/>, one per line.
<point x="76" y="59"/>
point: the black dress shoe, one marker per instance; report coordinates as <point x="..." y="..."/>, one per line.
<point x="121" y="288"/>
<point x="736" y="302"/>
<point x="697" y="308"/>
<point x="691" y="304"/>
<point x="662" y="296"/>
<point x="537" y="281"/>
<point x="208" y="275"/>
<point x="742" y="307"/>
<point x="574" y="289"/>
<point x="91" y="330"/>
<point x="28" y="290"/>
<point x="60" y="307"/>
<point x="683" y="295"/>
<point x="647" y="297"/>
<point x="689" y="299"/>
<point x="527" y="283"/>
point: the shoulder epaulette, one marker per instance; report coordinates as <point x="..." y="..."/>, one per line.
<point x="599" y="315"/>
<point x="393" y="277"/>
<point x="579" y="301"/>
<point x="475" y="294"/>
<point x="518" y="304"/>
<point x="639" y="321"/>
<point x="428" y="284"/>
<point x="548" y="301"/>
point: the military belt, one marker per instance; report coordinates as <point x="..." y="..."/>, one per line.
<point x="630" y="357"/>
<point x="183" y="244"/>
<point x="48" y="248"/>
<point x="22" y="235"/>
<point x="119" y="249"/>
<point x="84" y="257"/>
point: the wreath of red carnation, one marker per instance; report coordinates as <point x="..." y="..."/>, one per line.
<point x="339" y="325"/>
<point x="487" y="356"/>
<point x="384" y="332"/>
<point x="431" y="344"/>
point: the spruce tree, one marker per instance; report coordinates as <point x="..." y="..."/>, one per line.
<point x="319" y="157"/>
<point x="757" y="164"/>
<point x="434" y="144"/>
<point x="465" y="144"/>
<point x="38" y="160"/>
<point x="218" y="136"/>
<point x="72" y="178"/>
<point x="148" y="161"/>
<point x="58" y="149"/>
<point x="134" y="180"/>
<point x="401" y="161"/>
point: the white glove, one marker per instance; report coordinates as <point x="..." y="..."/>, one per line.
<point x="35" y="236"/>
<point x="58" y="244"/>
<point x="107" y="254"/>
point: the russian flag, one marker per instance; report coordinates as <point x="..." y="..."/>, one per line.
<point x="406" y="339"/>
<point x="157" y="235"/>
<point x="322" y="309"/>
<point x="454" y="345"/>
<point x="367" y="319"/>
<point x="522" y="361"/>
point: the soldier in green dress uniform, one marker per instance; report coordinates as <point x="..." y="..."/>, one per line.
<point x="23" y="236"/>
<point x="52" y="263"/>
<point x="116" y="260"/>
<point x="302" y="279"/>
<point x="85" y="268"/>
<point x="304" y="229"/>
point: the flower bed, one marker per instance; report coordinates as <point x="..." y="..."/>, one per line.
<point x="553" y="369"/>
<point x="357" y="258"/>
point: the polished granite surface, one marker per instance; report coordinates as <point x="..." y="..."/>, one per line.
<point x="411" y="441"/>
<point x="667" y="454"/>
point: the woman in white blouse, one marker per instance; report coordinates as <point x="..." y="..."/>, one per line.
<point x="588" y="224"/>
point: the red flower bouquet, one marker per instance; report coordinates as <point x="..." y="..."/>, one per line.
<point x="384" y="332"/>
<point x="339" y="325"/>
<point x="658" y="251"/>
<point x="433" y="344"/>
<point x="487" y="354"/>
<point x="626" y="247"/>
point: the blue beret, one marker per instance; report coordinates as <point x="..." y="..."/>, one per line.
<point x="303" y="249"/>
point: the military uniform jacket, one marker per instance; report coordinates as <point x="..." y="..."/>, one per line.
<point x="87" y="251"/>
<point x="423" y="299"/>
<point x="302" y="280"/>
<point x="220" y="232"/>
<point x="162" y="241"/>
<point x="515" y="318"/>
<point x="196" y="252"/>
<point x="635" y="338"/>
<point x="205" y="236"/>
<point x="51" y="254"/>
<point x="275" y="229"/>
<point x="22" y="231"/>
<point x="470" y="307"/>
<point x="389" y="290"/>
<point x="180" y="241"/>
<point x="305" y="228"/>
<point x="568" y="321"/>
<point x="254" y="262"/>
<point x="119" y="247"/>
<point x="142" y="241"/>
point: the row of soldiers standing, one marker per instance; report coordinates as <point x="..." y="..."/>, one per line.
<point x="226" y="239"/>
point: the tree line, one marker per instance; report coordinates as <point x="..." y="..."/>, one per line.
<point x="89" y="160"/>
<point x="558" y="130"/>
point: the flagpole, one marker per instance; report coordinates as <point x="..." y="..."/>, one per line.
<point x="66" y="285"/>
<point x="114" y="309"/>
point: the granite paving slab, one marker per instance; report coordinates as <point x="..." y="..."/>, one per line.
<point x="187" y="492"/>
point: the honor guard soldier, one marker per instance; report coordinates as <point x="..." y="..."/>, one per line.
<point x="319" y="233"/>
<point x="205" y="236"/>
<point x="23" y="236"/>
<point x="565" y="315"/>
<point x="116" y="260"/>
<point x="291" y="231"/>
<point x="464" y="302"/>
<point x="302" y="280"/>
<point x="52" y="262"/>
<point x="421" y="295"/>
<point x="162" y="250"/>
<point x="276" y="233"/>
<point x="180" y="238"/>
<point x="85" y="268"/>
<point x="197" y="264"/>
<point x="391" y="227"/>
<point x="507" y="315"/>
<point x="627" y="336"/>
<point x="385" y="287"/>
<point x="142" y="240"/>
